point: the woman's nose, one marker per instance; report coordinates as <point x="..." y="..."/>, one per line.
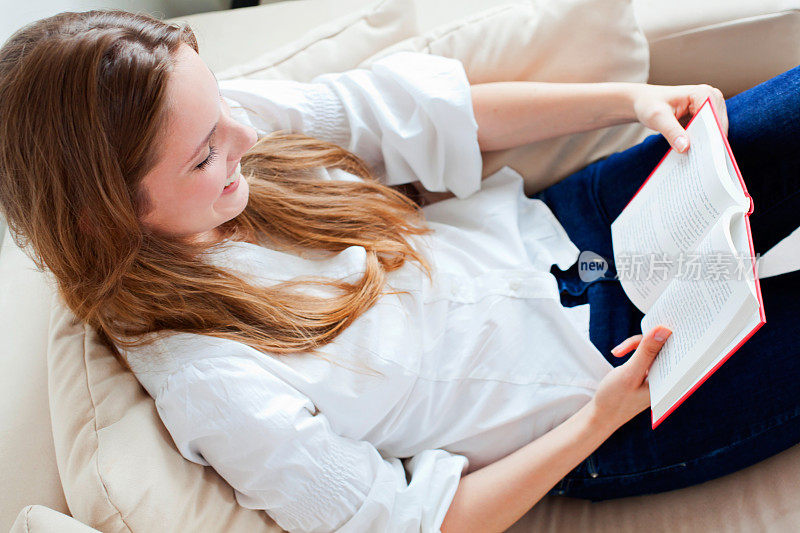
<point x="252" y="136"/>
<point x="245" y="137"/>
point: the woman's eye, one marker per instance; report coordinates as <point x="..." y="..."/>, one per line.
<point x="207" y="161"/>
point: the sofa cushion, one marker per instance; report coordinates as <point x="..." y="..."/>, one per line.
<point x="41" y="519"/>
<point x="27" y="455"/>
<point x="332" y="42"/>
<point x="565" y="41"/>
<point x="762" y="497"/>
<point x="710" y="41"/>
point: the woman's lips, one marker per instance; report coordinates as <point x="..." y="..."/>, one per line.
<point x="233" y="186"/>
<point x="236" y="172"/>
<point x="237" y="176"/>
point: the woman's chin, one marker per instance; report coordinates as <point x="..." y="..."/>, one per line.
<point x="231" y="204"/>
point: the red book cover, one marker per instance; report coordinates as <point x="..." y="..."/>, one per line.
<point x="763" y="320"/>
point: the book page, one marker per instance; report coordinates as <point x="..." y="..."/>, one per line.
<point x="673" y="211"/>
<point x="688" y="382"/>
<point x="700" y="306"/>
<point x="741" y="267"/>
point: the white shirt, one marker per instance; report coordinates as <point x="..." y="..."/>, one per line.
<point x="474" y="365"/>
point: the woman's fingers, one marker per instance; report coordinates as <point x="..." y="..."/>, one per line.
<point x="663" y="107"/>
<point x="667" y="124"/>
<point x="704" y="92"/>
<point x="718" y="101"/>
<point x="627" y="345"/>
<point x="632" y="343"/>
<point x="648" y="349"/>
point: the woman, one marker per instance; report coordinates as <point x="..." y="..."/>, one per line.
<point x="241" y="278"/>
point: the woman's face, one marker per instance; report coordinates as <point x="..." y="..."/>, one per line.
<point x="202" y="148"/>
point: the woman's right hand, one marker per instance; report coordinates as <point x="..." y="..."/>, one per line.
<point x="625" y="392"/>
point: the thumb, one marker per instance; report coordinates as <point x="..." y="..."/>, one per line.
<point x="648" y="349"/>
<point x="666" y="123"/>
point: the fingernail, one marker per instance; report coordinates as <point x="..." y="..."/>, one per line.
<point x="662" y="334"/>
<point x="682" y="143"/>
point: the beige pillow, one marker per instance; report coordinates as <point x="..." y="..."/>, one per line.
<point x="533" y="40"/>
<point x="334" y="46"/>
<point x="564" y="41"/>
<point x="119" y="466"/>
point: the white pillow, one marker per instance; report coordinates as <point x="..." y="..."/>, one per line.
<point x="332" y="47"/>
<point x="533" y="40"/>
<point x="539" y="40"/>
<point x="119" y="467"/>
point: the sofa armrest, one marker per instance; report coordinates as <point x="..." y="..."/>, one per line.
<point x="41" y="519"/>
<point x="730" y="44"/>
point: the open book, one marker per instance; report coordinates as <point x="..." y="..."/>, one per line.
<point x="684" y="256"/>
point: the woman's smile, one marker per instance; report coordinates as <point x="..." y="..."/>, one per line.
<point x="233" y="180"/>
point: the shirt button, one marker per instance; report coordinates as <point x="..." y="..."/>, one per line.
<point x="514" y="285"/>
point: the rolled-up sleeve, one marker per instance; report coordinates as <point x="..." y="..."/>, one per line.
<point x="409" y="116"/>
<point x="279" y="454"/>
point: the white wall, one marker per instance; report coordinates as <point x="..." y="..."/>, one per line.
<point x="16" y="13"/>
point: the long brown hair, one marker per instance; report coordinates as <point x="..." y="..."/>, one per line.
<point x="82" y="110"/>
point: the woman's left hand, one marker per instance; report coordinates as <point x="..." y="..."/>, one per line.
<point x="661" y="107"/>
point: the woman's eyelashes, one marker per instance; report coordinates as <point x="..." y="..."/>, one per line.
<point x="212" y="153"/>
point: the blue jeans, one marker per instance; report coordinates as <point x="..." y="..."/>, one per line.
<point x="749" y="409"/>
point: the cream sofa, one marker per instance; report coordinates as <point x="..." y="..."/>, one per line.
<point x="731" y="44"/>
